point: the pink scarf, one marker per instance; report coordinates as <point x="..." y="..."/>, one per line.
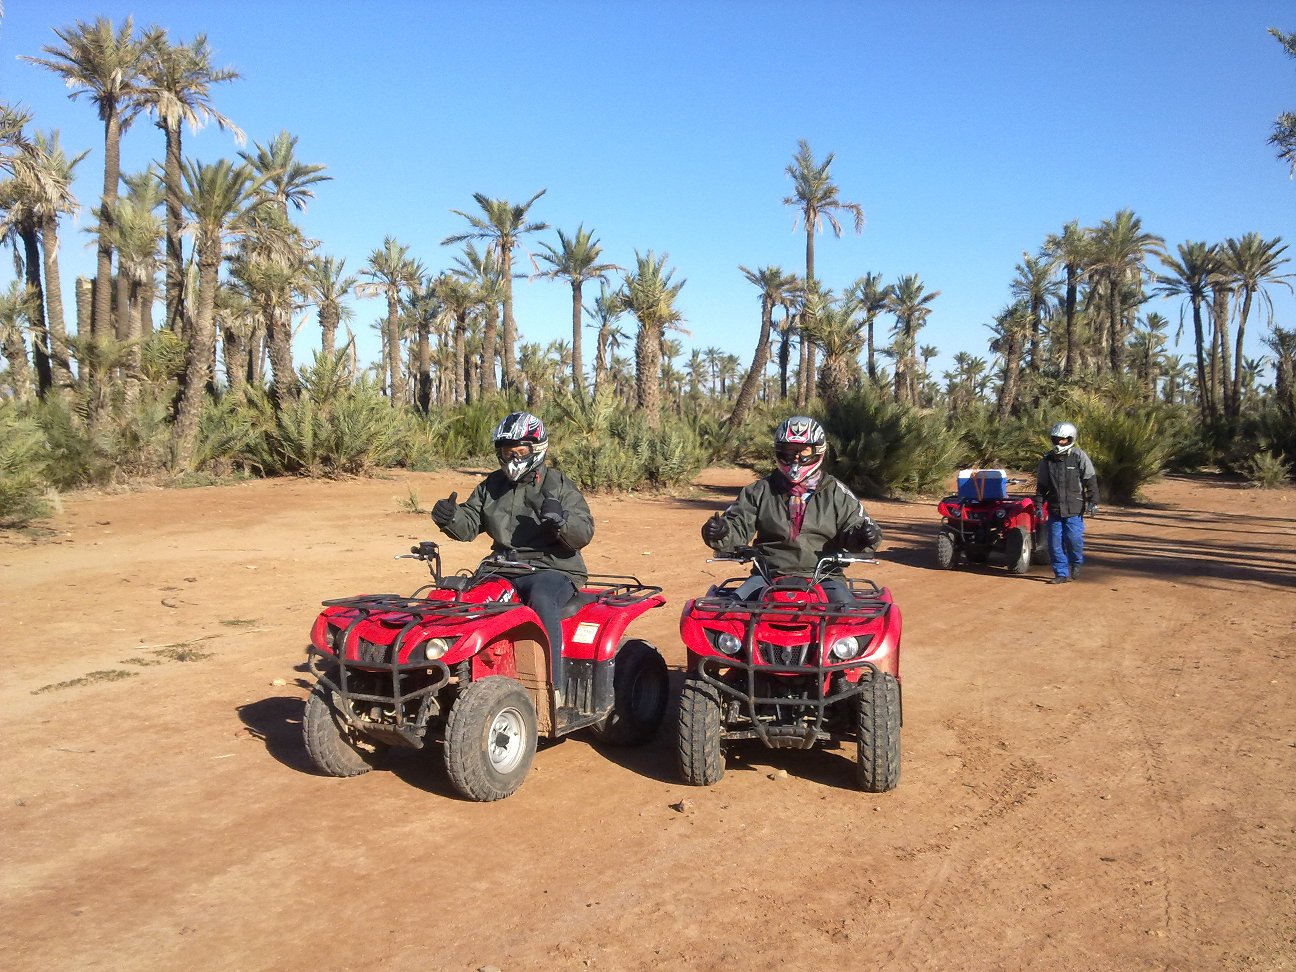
<point x="798" y="496"/>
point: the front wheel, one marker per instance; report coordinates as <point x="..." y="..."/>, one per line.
<point x="701" y="757"/>
<point x="1017" y="550"/>
<point x="490" y="738"/>
<point x="640" y="688"/>
<point x="877" y="762"/>
<point x="333" y="745"/>
<point x="947" y="553"/>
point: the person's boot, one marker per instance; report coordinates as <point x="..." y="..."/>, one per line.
<point x="1075" y="571"/>
<point x="1060" y="579"/>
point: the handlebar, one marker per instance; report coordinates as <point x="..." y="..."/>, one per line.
<point x="748" y="554"/>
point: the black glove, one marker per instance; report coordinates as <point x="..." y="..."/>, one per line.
<point x="1091" y="509"/>
<point x="866" y="536"/>
<point x="551" y="513"/>
<point x="715" y="529"/>
<point x="1038" y="501"/>
<point x="443" y="510"/>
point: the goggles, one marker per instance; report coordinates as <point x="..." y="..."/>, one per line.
<point x="1061" y="439"/>
<point x="514" y="450"/>
<point x="790" y="454"/>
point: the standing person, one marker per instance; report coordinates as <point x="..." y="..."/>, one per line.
<point x="1067" y="480"/>
<point x="796" y="513"/>
<point x="533" y="513"/>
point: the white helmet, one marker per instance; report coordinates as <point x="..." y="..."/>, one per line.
<point x="799" y="447"/>
<point x="1064" y="436"/>
<point x="520" y="444"/>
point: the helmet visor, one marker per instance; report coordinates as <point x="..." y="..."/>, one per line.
<point x="510" y="450"/>
<point x="789" y="453"/>
<point x="1061" y="440"/>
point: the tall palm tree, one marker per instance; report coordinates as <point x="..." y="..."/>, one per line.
<point x="220" y="199"/>
<point x="16" y="305"/>
<point x="285" y="178"/>
<point x="457" y="300"/>
<point x="868" y="297"/>
<point x="1070" y="250"/>
<point x="576" y="260"/>
<point x="649" y="293"/>
<point x="777" y="289"/>
<point x="1011" y="329"/>
<point x="1118" y="262"/>
<point x="135" y="234"/>
<point x="1284" y="128"/>
<point x="818" y="200"/>
<point x="836" y="331"/>
<point x="327" y="284"/>
<point x="392" y="270"/>
<point x="108" y="65"/>
<point x="20" y="224"/>
<point x="176" y="89"/>
<point x="1251" y="262"/>
<point x="482" y="271"/>
<point x="1036" y="285"/>
<point x="1190" y="277"/>
<point x="606" y="311"/>
<point x="503" y="225"/>
<point x="909" y="303"/>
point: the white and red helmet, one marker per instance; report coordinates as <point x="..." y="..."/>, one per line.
<point x="518" y="429"/>
<point x="799" y="448"/>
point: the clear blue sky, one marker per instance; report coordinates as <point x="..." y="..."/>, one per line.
<point x="968" y="131"/>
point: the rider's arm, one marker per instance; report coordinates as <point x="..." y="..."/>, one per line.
<point x="578" y="529"/>
<point x="740" y="517"/>
<point x="1088" y="479"/>
<point x="856" y="530"/>
<point x="467" y="522"/>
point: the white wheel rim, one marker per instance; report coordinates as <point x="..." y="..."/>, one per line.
<point x="506" y="740"/>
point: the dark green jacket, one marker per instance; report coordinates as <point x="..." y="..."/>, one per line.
<point x="510" y="514"/>
<point x="761" y="511"/>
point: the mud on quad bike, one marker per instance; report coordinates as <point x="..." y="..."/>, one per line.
<point x="791" y="669"/>
<point x="463" y="662"/>
<point x="975" y="526"/>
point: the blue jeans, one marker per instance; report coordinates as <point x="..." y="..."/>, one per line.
<point x="1066" y="543"/>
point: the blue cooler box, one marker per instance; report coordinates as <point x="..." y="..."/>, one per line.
<point x="983" y="484"/>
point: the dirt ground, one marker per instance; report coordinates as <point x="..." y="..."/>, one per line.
<point x="1096" y="776"/>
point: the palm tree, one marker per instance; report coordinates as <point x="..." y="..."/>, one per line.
<point x="1190" y="277"/>
<point x="576" y="260"/>
<point x="486" y="277"/>
<point x="1012" y="328"/>
<point x="908" y="302"/>
<point x="1284" y="129"/>
<point x="1070" y="249"/>
<point x="176" y="89"/>
<point x="1117" y="262"/>
<point x="649" y="294"/>
<point x="135" y="234"/>
<point x="777" y="289"/>
<point x="1250" y="263"/>
<point x="392" y="270"/>
<point x="605" y="312"/>
<point x="108" y="65"/>
<point x="220" y="199"/>
<point x="837" y="333"/>
<point x="15" y="306"/>
<point x="1035" y="285"/>
<point x="327" y="283"/>
<point x="503" y="226"/>
<point x="20" y="223"/>
<point x="286" y="179"/>
<point x="868" y="297"/>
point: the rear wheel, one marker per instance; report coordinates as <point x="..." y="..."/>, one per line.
<point x="640" y="689"/>
<point x="1040" y="547"/>
<point x="333" y="745"/>
<point x="701" y="757"/>
<point x="947" y="553"/>
<point x="490" y="738"/>
<point x="1017" y="550"/>
<point x="877" y="763"/>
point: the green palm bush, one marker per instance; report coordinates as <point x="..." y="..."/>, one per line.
<point x="1129" y="442"/>
<point x="23" y="456"/>
<point x="881" y="448"/>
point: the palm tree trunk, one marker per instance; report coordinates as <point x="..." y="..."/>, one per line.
<point x="40" y="336"/>
<point x="600" y="361"/>
<point x="424" y="386"/>
<point x="872" y="353"/>
<point x="395" y="370"/>
<point x="1247" y="293"/>
<point x="60" y="366"/>
<point x="15" y="352"/>
<point x="760" y="357"/>
<point x="100" y="322"/>
<point x="174" y="253"/>
<point x="329" y="315"/>
<point x="490" y="340"/>
<point x="508" y="364"/>
<point x="1205" y="403"/>
<point x="461" y="358"/>
<point x="198" y="356"/>
<point x="1012" y="372"/>
<point x="1069" y="305"/>
<point x="283" y="386"/>
<point x="648" y="373"/>
<point x="578" y="362"/>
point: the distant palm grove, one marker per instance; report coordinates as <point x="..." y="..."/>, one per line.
<point x="175" y="361"/>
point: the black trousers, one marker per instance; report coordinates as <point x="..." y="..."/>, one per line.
<point x="545" y="592"/>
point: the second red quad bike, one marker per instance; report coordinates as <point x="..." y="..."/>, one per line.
<point x="463" y="663"/>
<point x="982" y="518"/>
<point x="786" y="666"/>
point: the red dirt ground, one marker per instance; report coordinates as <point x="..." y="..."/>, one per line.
<point x="1097" y="776"/>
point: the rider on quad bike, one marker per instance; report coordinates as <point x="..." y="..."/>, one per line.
<point x="536" y="515"/>
<point x="797" y="512"/>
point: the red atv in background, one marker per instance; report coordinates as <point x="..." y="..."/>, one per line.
<point x="462" y="662"/>
<point x="984" y="518"/>
<point x="786" y="666"/>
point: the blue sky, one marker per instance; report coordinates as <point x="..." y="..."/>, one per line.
<point x="968" y="132"/>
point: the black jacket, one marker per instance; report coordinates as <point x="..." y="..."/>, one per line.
<point x="1068" y="481"/>
<point x="510" y="513"/>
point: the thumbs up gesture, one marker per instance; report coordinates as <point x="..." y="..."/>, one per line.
<point x="714" y="529"/>
<point x="443" y="510"/>
<point x="551" y="512"/>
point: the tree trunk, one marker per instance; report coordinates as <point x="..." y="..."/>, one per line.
<point x="490" y="339"/>
<point x="101" y="321"/>
<point x="508" y="365"/>
<point x="395" y="371"/>
<point x="578" y="361"/>
<point x="1012" y="371"/>
<point x="461" y="359"/>
<point x="15" y="351"/>
<point x="648" y="373"/>
<point x="423" y="386"/>
<point x="40" y="335"/>
<point x="329" y="316"/>
<point x="747" y="394"/>
<point x="60" y="365"/>
<point x="171" y="178"/>
<point x="198" y="355"/>
<point x="1069" y="305"/>
<point x="283" y="388"/>
<point x="1247" y="293"/>
<point x="1205" y="402"/>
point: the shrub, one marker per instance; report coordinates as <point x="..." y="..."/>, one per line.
<point x="1129" y="446"/>
<point x="1267" y="471"/>
<point x="879" y="448"/>
<point x="22" y="468"/>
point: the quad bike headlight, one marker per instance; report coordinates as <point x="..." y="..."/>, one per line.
<point x="434" y="648"/>
<point x="728" y="643"/>
<point x="846" y="648"/>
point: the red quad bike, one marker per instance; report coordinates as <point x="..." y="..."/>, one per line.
<point x="462" y="662"/>
<point x="791" y="668"/>
<point x="983" y="518"/>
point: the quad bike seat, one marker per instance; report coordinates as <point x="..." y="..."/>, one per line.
<point x="577" y="601"/>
